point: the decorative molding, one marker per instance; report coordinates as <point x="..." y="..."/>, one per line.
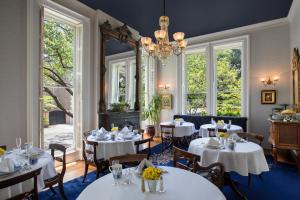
<point x="238" y="31"/>
<point x="293" y="10"/>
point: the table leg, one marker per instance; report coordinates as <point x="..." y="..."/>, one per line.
<point x="232" y="184"/>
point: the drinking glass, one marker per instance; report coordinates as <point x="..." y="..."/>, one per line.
<point x="18" y="143"/>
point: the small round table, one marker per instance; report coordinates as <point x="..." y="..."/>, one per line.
<point x="109" y="148"/>
<point x="247" y="157"/>
<point x="48" y="171"/>
<point x="185" y="129"/>
<point x="179" y="184"/>
<point x="233" y="129"/>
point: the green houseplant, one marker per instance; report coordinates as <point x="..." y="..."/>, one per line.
<point x="152" y="114"/>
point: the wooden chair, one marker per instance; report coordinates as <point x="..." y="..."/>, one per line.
<point x="256" y="138"/>
<point x="59" y="178"/>
<point x="33" y="194"/>
<point x="214" y="172"/>
<point x="141" y="142"/>
<point x="129" y="159"/>
<point x="191" y="159"/>
<point x="90" y="156"/>
<point x="212" y="131"/>
<point x="167" y="135"/>
<point x="3" y="147"/>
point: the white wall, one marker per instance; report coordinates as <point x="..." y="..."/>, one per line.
<point x="12" y="71"/>
<point x="294" y="18"/>
<point x="269" y="55"/>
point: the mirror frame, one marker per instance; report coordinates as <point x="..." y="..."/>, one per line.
<point x="296" y="78"/>
<point x="124" y="35"/>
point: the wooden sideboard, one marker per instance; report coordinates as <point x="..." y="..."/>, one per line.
<point x="285" y="136"/>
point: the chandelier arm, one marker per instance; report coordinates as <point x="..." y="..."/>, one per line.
<point x="164" y="7"/>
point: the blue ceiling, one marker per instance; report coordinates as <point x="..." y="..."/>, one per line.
<point x="194" y="17"/>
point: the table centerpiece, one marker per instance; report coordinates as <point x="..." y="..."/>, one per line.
<point x="151" y="175"/>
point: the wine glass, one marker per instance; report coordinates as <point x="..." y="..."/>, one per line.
<point x="18" y="143"/>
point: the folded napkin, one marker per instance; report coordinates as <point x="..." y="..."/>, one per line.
<point x="102" y="130"/>
<point x="101" y="135"/>
<point x="125" y="130"/>
<point x="145" y="163"/>
<point x="212" y="142"/>
<point x="7" y="165"/>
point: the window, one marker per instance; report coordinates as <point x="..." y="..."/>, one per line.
<point x="215" y="77"/>
<point x="196" y="82"/>
<point x="228" y="79"/>
<point x="122" y="81"/>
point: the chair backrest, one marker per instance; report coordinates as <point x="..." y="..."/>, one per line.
<point x="19" y="179"/>
<point x="165" y="129"/>
<point x="86" y="151"/>
<point x="3" y="147"/>
<point x="129" y="158"/>
<point x="253" y="137"/>
<point x="214" y="173"/>
<point x="141" y="142"/>
<point x="181" y="155"/>
<point x="212" y="131"/>
<point x="61" y="148"/>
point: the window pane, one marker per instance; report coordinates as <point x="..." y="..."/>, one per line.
<point x="196" y="83"/>
<point x="122" y="83"/>
<point x="229" y="88"/>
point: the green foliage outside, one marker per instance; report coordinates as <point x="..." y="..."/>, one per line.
<point x="58" y="63"/>
<point x="228" y="83"/>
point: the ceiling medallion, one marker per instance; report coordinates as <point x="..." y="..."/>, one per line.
<point x="163" y="48"/>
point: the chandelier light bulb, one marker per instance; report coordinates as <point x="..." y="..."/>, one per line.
<point x="178" y="37"/>
<point x="160" y="34"/>
<point x="146" y="41"/>
<point x="182" y="44"/>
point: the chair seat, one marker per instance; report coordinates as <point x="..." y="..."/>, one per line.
<point x="52" y="181"/>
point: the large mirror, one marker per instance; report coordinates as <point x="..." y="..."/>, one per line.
<point x="296" y="68"/>
<point x="119" y="77"/>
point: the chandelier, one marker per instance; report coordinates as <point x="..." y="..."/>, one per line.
<point x="163" y="48"/>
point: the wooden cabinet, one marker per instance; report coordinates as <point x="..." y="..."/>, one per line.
<point x="285" y="135"/>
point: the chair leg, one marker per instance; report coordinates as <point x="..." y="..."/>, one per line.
<point x="61" y="190"/>
<point x="85" y="171"/>
<point x="249" y="180"/>
<point x="52" y="190"/>
<point x="98" y="170"/>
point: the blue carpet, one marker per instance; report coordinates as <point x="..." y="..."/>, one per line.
<point x="282" y="182"/>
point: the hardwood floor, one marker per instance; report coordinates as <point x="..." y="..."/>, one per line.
<point x="76" y="169"/>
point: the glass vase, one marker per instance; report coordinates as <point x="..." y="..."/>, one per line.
<point x="152" y="185"/>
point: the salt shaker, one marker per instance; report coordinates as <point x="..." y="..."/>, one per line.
<point x="161" y="184"/>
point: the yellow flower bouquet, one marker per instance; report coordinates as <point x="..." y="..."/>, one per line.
<point x="152" y="173"/>
<point x="2" y="152"/>
<point x="114" y="129"/>
<point x="223" y="135"/>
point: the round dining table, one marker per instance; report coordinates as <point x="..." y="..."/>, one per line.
<point x="233" y="129"/>
<point x="183" y="129"/>
<point x="247" y="157"/>
<point x="45" y="161"/>
<point x="118" y="147"/>
<point x="179" y="184"/>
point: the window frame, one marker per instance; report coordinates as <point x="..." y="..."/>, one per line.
<point x="211" y="75"/>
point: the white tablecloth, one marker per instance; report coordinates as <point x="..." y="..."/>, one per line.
<point x="186" y="129"/>
<point x="109" y="148"/>
<point x="247" y="157"/>
<point x="233" y="129"/>
<point x="179" y="184"/>
<point x="45" y="162"/>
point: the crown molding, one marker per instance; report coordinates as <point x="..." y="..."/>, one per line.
<point x="239" y="31"/>
<point x="293" y="10"/>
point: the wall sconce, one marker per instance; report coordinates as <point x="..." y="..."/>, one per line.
<point x="270" y="81"/>
<point x="165" y="87"/>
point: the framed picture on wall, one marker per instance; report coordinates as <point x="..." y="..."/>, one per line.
<point x="268" y="97"/>
<point x="166" y="101"/>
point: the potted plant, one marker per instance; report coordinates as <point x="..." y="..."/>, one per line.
<point x="153" y="114"/>
<point x="119" y="107"/>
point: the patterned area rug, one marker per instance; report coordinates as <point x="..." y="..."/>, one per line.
<point x="282" y="182"/>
